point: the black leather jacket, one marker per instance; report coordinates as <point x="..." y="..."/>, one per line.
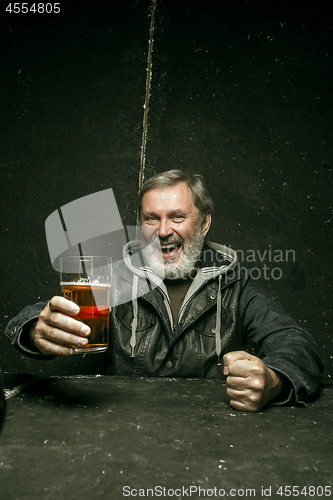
<point x="224" y="310"/>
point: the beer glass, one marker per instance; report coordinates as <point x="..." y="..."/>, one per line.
<point x="87" y="282"/>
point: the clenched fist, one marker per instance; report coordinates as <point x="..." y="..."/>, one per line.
<point x="251" y="384"/>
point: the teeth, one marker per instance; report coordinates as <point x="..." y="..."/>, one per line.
<point x="169" y="249"/>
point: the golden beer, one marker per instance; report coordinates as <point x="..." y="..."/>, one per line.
<point x="93" y="301"/>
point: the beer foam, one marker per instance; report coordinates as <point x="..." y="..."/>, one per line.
<point x="84" y="283"/>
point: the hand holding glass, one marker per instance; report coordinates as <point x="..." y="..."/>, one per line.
<point x="87" y="282"/>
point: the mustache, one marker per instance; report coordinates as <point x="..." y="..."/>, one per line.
<point x="170" y="241"/>
<point x="158" y="241"/>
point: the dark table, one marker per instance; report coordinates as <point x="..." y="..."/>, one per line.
<point x="96" y="437"/>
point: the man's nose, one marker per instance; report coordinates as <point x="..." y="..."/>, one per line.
<point x="165" y="229"/>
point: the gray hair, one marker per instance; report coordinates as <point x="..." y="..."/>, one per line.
<point x="200" y="196"/>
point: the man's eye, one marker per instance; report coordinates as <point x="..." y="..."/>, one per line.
<point x="178" y="217"/>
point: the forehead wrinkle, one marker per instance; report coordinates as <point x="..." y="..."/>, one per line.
<point x="158" y="202"/>
<point x="171" y="213"/>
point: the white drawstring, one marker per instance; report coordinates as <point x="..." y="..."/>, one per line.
<point x="135" y="313"/>
<point x="217" y="329"/>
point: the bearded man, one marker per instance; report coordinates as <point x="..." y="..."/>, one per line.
<point x="197" y="321"/>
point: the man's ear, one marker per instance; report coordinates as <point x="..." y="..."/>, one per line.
<point x="207" y="222"/>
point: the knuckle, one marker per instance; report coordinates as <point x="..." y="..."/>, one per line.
<point x="50" y="304"/>
<point x="253" y="398"/>
<point x="45" y="349"/>
<point x="257" y="367"/>
<point x="37" y="342"/>
<point x="41" y="345"/>
<point x="226" y="359"/>
<point x="44" y="314"/>
<point x="53" y="302"/>
<point x="57" y="319"/>
<point x="254" y="402"/>
<point x="258" y="383"/>
<point x="54" y="318"/>
<point x="37" y="332"/>
<point x="53" y="333"/>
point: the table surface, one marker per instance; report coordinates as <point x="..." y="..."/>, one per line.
<point x="99" y="437"/>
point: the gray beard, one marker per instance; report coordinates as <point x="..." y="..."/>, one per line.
<point x="191" y="250"/>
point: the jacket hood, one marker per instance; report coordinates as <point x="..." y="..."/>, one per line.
<point x="217" y="259"/>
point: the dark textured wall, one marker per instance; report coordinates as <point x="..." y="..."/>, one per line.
<point x="240" y="92"/>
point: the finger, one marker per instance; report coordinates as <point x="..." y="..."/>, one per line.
<point x="63" y="305"/>
<point x="237" y="383"/>
<point x="238" y="399"/>
<point x="241" y="368"/>
<point x="47" y="338"/>
<point x="246" y="404"/>
<point x="64" y="338"/>
<point x="243" y="400"/>
<point x="246" y="367"/>
<point x="237" y="369"/>
<point x="68" y="324"/>
<point x="56" y="314"/>
<point x="235" y="393"/>
<point x="230" y="357"/>
<point x="237" y="405"/>
<point x="58" y="342"/>
<point x="242" y="405"/>
<point x="47" y="347"/>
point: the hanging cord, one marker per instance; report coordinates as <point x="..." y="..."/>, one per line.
<point x="146" y="104"/>
<point x="135" y="314"/>
<point x="136" y="274"/>
<point x="217" y="329"/>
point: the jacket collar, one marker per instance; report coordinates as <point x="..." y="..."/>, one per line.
<point x="215" y="260"/>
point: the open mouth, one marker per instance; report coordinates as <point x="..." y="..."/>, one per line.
<point x="170" y="251"/>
